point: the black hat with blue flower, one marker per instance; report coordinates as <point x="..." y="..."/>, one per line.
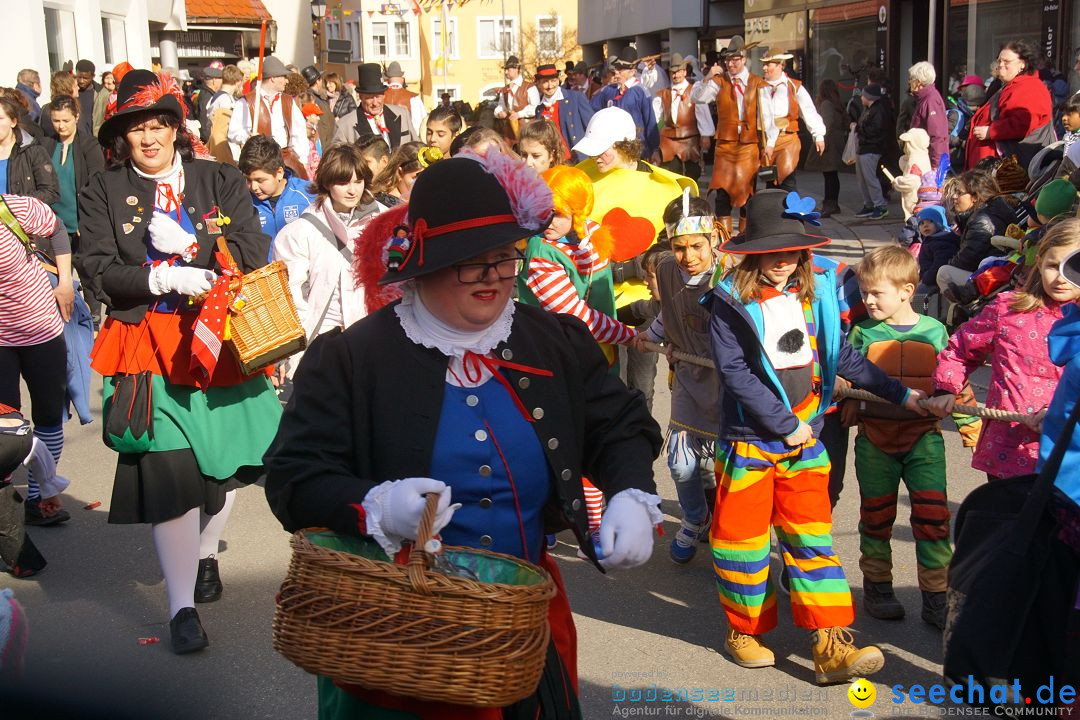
<point x="777" y="222"/>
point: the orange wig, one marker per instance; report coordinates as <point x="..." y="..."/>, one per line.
<point x="572" y="191"/>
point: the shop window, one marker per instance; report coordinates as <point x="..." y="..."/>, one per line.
<point x="978" y="29"/>
<point x="112" y="31"/>
<point x="380" y="40"/>
<point x="843" y="45"/>
<point x="60" y="37"/>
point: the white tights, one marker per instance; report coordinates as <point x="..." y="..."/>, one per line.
<point x="181" y="543"/>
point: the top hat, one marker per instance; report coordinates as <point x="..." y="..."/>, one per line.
<point x="369" y="79"/>
<point x="545" y="72"/>
<point x="512" y="62"/>
<point x="394" y="70"/>
<point x="272" y="68"/>
<point x="569" y="67"/>
<point x="311" y="74"/>
<point x="142" y="90"/>
<point x="775" y="55"/>
<point x="626" y="60"/>
<point x="776" y="224"/>
<point x="460" y="208"/>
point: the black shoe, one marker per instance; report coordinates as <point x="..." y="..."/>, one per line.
<point x="34" y="516"/>
<point x="880" y="601"/>
<point x="208" y="583"/>
<point x="187" y="632"/>
<point x="829" y="209"/>
<point x="933" y="608"/>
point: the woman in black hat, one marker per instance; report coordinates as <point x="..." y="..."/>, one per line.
<point x="149" y="224"/>
<point x="506" y="406"/>
<point x="777" y="343"/>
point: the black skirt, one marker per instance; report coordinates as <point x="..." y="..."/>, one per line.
<point x="159" y="486"/>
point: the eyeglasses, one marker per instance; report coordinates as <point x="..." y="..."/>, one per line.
<point x="472" y="273"/>
<point x="1003" y="61"/>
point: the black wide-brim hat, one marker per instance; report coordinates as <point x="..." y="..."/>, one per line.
<point x="1070" y="268"/>
<point x="459" y="209"/>
<point x="776" y="220"/>
<point x="140" y="91"/>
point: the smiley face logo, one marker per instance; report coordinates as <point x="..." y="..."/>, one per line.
<point x="861" y="693"/>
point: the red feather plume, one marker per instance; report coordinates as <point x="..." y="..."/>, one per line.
<point x="370" y="257"/>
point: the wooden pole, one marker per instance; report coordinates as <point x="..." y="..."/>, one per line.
<point x="258" y="80"/>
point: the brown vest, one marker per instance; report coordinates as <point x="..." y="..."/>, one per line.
<point x="291" y="159"/>
<point x="683" y="126"/>
<point x="399" y="96"/>
<point x="728" y="128"/>
<point x="519" y="99"/>
<point x="793" y="105"/>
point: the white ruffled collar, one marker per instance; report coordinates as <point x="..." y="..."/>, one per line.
<point x="423" y="328"/>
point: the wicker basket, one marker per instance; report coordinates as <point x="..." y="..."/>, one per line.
<point x="411" y="631"/>
<point x="266" y="328"/>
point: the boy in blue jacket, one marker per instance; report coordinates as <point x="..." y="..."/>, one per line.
<point x="278" y="195"/>
<point x="778" y="346"/>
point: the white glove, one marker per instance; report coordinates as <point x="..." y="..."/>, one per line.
<point x="392" y="510"/>
<point x="626" y="529"/>
<point x="192" y="281"/>
<point x="169" y="238"/>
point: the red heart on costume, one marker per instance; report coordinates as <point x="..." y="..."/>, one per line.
<point x="632" y="235"/>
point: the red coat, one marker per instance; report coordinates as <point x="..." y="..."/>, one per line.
<point x="1023" y="106"/>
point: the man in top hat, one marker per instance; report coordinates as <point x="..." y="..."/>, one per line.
<point x="325" y="124"/>
<point x="568" y="109"/>
<point x="782" y="102"/>
<point x="738" y="152"/>
<point x="211" y="76"/>
<point x="628" y="94"/>
<point x="398" y="95"/>
<point x="275" y="115"/>
<point x="514" y="102"/>
<point x="680" y="138"/>
<point x="373" y="116"/>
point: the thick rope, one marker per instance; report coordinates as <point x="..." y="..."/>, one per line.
<point x="976" y="410"/>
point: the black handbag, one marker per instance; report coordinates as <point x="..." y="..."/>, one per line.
<point x="1012" y="586"/>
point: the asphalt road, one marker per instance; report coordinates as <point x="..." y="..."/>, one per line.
<point x="653" y="628"/>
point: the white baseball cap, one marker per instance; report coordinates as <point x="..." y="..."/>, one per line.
<point x="607" y="127"/>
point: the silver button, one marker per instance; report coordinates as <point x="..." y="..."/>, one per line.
<point x="566" y="474"/>
<point x="480" y="435"/>
<point x="485" y="502"/>
<point x="485" y="470"/>
<point x="538" y="413"/>
<point x="485" y="540"/>
<point x="507" y="355"/>
<point x="553" y="444"/>
<point x="191" y="209"/>
<point x="576" y="504"/>
<point x="472" y="401"/>
<point x="523" y="383"/>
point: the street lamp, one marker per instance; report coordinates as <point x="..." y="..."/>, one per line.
<point x="318" y="19"/>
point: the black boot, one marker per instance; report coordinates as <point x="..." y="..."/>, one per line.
<point x="208" y="582"/>
<point x="880" y="601"/>
<point x="933" y="608"/>
<point x="828" y="209"/>
<point x="187" y="632"/>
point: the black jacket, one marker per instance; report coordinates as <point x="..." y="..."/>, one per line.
<point x="874" y="128"/>
<point x="985" y="222"/>
<point x="88" y="156"/>
<point x="114" y="242"/>
<point x="367" y="401"/>
<point x="344" y="104"/>
<point x="30" y="170"/>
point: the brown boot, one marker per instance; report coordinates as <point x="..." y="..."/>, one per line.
<point x="747" y="650"/>
<point x="836" y="659"/>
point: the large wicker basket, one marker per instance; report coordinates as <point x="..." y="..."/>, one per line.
<point x="266" y="327"/>
<point x="409" y="630"/>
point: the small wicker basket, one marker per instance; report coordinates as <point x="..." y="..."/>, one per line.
<point x="411" y="631"/>
<point x="266" y="328"/>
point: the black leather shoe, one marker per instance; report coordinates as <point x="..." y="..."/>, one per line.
<point x="34" y="516"/>
<point x="208" y="583"/>
<point x="187" y="632"/>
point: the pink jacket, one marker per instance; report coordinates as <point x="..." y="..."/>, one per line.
<point x="1022" y="379"/>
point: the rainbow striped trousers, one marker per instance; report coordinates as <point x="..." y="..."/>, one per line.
<point x="763" y="484"/>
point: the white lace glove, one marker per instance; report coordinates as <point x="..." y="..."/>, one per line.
<point x="626" y="529"/>
<point x="392" y="510"/>
<point x="192" y="281"/>
<point x="168" y="237"/>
